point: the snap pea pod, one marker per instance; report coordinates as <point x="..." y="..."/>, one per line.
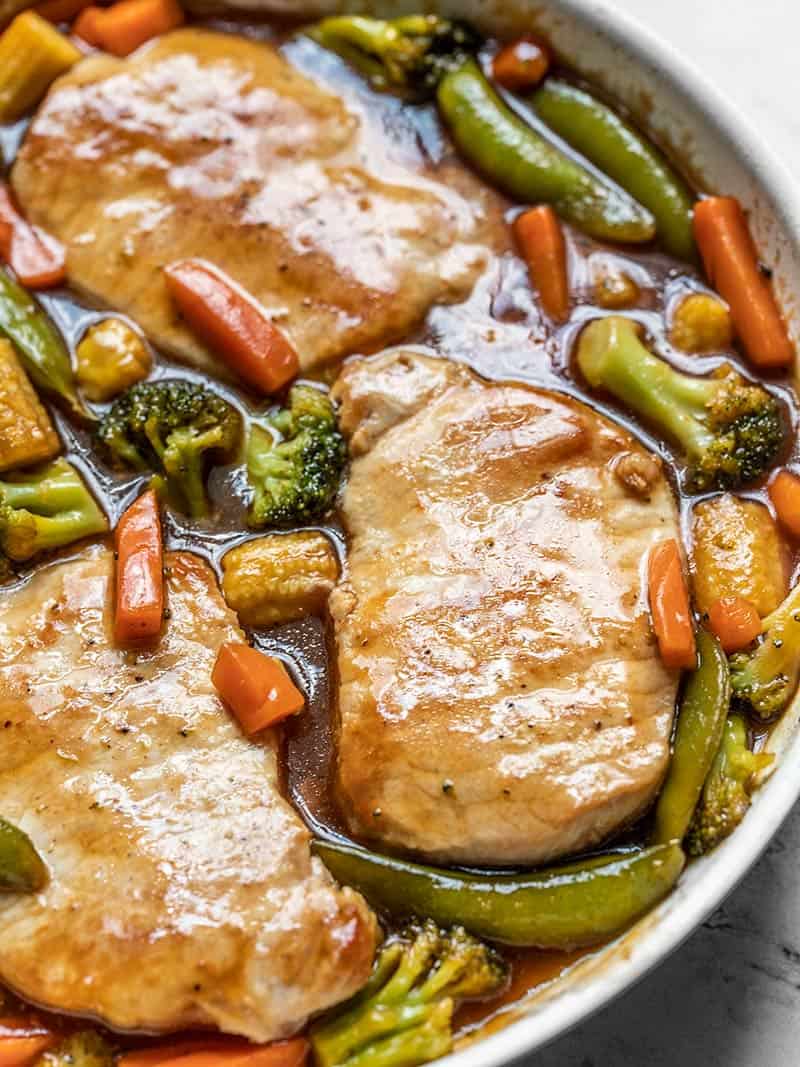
<point x="22" y="869"/>
<point x="565" y="907"/>
<point x="617" y="149"/>
<point x="40" y="347"/>
<point x="701" y="722"/>
<point x="518" y="160"/>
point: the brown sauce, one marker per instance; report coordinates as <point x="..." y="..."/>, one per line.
<point x="499" y="332"/>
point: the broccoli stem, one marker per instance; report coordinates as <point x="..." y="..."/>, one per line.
<point x="45" y="509"/>
<point x="611" y="356"/>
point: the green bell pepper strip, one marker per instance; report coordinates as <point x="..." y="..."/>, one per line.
<point x="619" y="151"/>
<point x="701" y="722"/>
<point x="565" y="907"/>
<point x="22" y="869"/>
<point x="43" y="353"/>
<point x="518" y="160"/>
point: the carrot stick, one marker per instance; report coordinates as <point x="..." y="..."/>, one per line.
<point x="541" y="242"/>
<point x="155" y="1055"/>
<point x="731" y="263"/>
<point x="669" y="606"/>
<point x="139" y="609"/>
<point x="20" y="1051"/>
<point x="735" y="622"/>
<point x="123" y="27"/>
<point x="257" y="688"/>
<point x="784" y="492"/>
<point x="520" y="66"/>
<point x="231" y="323"/>
<point x="280" y="1054"/>
<point x="36" y="258"/>
<point x="58" y="11"/>
<point x="87" y="26"/>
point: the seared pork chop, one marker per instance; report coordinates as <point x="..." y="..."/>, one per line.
<point x="182" y="891"/>
<point x="501" y="697"/>
<point x="214" y="146"/>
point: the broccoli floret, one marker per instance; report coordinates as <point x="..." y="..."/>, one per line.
<point x="86" y="1048"/>
<point x="47" y="507"/>
<point x="729" y="430"/>
<point x="764" y="678"/>
<point x="407" y="55"/>
<point x="295" y="460"/>
<point x="171" y="427"/>
<point x="726" y="793"/>
<point x="403" y="1016"/>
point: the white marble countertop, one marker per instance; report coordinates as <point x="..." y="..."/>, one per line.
<point x="731" y="996"/>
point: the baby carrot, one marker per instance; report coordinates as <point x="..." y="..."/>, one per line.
<point x="232" y="324"/>
<point x="36" y="258"/>
<point x="669" y="606"/>
<point x="218" y="1053"/>
<point x="20" y="1051"/>
<point x="521" y="65"/>
<point x="139" y="608"/>
<point x="257" y="688"/>
<point x="541" y="241"/>
<point x="735" y="622"/>
<point x="731" y="263"/>
<point x="784" y="492"/>
<point x="122" y="28"/>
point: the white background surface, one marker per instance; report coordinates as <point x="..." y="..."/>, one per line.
<point x="731" y="996"/>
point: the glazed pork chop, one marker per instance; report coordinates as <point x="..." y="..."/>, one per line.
<point x="182" y="890"/>
<point x="214" y="146"/>
<point x="501" y="697"/>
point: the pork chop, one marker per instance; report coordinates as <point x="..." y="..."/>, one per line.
<point x="182" y="892"/>
<point x="214" y="146"/>
<point x="501" y="697"/>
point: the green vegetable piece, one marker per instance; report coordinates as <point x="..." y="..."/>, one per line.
<point x="295" y="460"/>
<point x="730" y="430"/>
<point x="562" y="908"/>
<point x="406" y="55"/>
<point x="86" y="1048"/>
<point x="22" y="869"/>
<point x="172" y="427"/>
<point x="46" y="508"/>
<point x="518" y="160"/>
<point x="765" y="678"/>
<point x="403" y="1016"/>
<point x="701" y="720"/>
<point x="726" y="794"/>
<point x="618" y="150"/>
<point x="39" y="344"/>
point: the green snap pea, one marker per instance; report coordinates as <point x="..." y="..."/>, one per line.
<point x="518" y="160"/>
<point x="617" y="149"/>
<point x="22" y="869"/>
<point x="561" y="908"/>
<point x="38" y="343"/>
<point x="701" y="722"/>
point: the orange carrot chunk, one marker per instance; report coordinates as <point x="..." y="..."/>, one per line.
<point x="540" y="239"/>
<point x="58" y="11"/>
<point x="731" y="263"/>
<point x="231" y="323"/>
<point x="735" y="622"/>
<point x="20" y="1051"/>
<point x="669" y="606"/>
<point x="521" y="65"/>
<point x="257" y="688"/>
<point x="36" y="258"/>
<point x="280" y="1054"/>
<point x="784" y="492"/>
<point x="221" y="1049"/>
<point x="122" y="28"/>
<point x="87" y="26"/>
<point x="139" y="608"/>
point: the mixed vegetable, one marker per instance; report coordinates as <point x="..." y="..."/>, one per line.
<point x="578" y="173"/>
